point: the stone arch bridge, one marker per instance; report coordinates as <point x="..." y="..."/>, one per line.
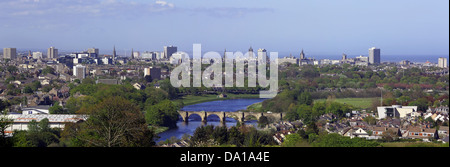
<point x="239" y="116"/>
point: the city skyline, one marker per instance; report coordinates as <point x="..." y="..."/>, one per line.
<point x="330" y="28"/>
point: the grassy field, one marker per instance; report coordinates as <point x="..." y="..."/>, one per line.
<point x="190" y="99"/>
<point x="255" y="107"/>
<point x="363" y="103"/>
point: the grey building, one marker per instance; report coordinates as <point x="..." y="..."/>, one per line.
<point x="79" y="71"/>
<point x="52" y="53"/>
<point x="93" y="52"/>
<point x="155" y="73"/>
<point x="442" y="62"/>
<point x="169" y="50"/>
<point x="9" y="53"/>
<point x="374" y="55"/>
<point x="108" y="81"/>
<point x="149" y="55"/>
<point x="302" y="55"/>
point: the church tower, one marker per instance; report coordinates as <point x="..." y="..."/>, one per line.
<point x="302" y="55"/>
<point x="114" y="55"/>
<point x="250" y="53"/>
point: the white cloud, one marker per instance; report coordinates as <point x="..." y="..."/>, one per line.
<point x="42" y="8"/>
<point x="164" y="4"/>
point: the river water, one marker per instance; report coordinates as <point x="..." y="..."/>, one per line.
<point x="231" y="105"/>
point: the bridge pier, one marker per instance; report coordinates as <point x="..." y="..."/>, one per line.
<point x="184" y="115"/>
<point x="203" y="115"/>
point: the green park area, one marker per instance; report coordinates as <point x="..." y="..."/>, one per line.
<point x="362" y="103"/>
<point x="192" y="99"/>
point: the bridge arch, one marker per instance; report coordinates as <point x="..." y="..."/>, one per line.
<point x="212" y="115"/>
<point x="194" y="116"/>
<point x="250" y="117"/>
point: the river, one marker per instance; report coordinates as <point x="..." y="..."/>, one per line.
<point x="231" y="105"/>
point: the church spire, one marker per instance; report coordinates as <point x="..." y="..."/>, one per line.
<point x="132" y="55"/>
<point x="114" y="55"/>
<point x="302" y="55"/>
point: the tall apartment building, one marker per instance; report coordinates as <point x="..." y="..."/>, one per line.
<point x="149" y="55"/>
<point x="263" y="54"/>
<point x="374" y="55"/>
<point x="52" y="53"/>
<point x="154" y="72"/>
<point x="169" y="50"/>
<point x="79" y="71"/>
<point x="37" y="55"/>
<point x="93" y="52"/>
<point x="442" y="62"/>
<point x="9" y="53"/>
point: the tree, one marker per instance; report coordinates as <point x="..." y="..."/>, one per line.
<point x="27" y="89"/>
<point x="235" y="136"/>
<point x="148" y="78"/>
<point x="162" y="114"/>
<point x="263" y="121"/>
<point x="48" y="70"/>
<point x="220" y="135"/>
<point x="336" y="140"/>
<point x="56" y="109"/>
<point x="291" y="140"/>
<point x="370" y="120"/>
<point x="201" y="135"/>
<point x="115" y="122"/>
<point x="291" y="116"/>
<point x="3" y="105"/>
<point x="167" y="86"/>
<point x="421" y="103"/>
<point x="389" y="135"/>
<point x="12" y="69"/>
<point x="5" y="123"/>
<point x="302" y="134"/>
<point x="39" y="134"/>
<point x="318" y="109"/>
<point x="35" y="85"/>
<point x="155" y="95"/>
<point x="74" y="105"/>
<point x="305" y="98"/>
<point x="305" y="113"/>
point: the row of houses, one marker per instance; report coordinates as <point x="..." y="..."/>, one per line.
<point x="355" y="126"/>
<point x="413" y="132"/>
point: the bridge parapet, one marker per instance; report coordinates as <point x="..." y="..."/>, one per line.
<point x="240" y="116"/>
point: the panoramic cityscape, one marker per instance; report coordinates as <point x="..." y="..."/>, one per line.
<point x="362" y="97"/>
<point x="116" y="73"/>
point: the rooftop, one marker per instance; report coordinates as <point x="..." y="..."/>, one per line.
<point x="51" y="117"/>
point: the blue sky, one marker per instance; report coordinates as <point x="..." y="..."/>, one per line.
<point x="320" y="27"/>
